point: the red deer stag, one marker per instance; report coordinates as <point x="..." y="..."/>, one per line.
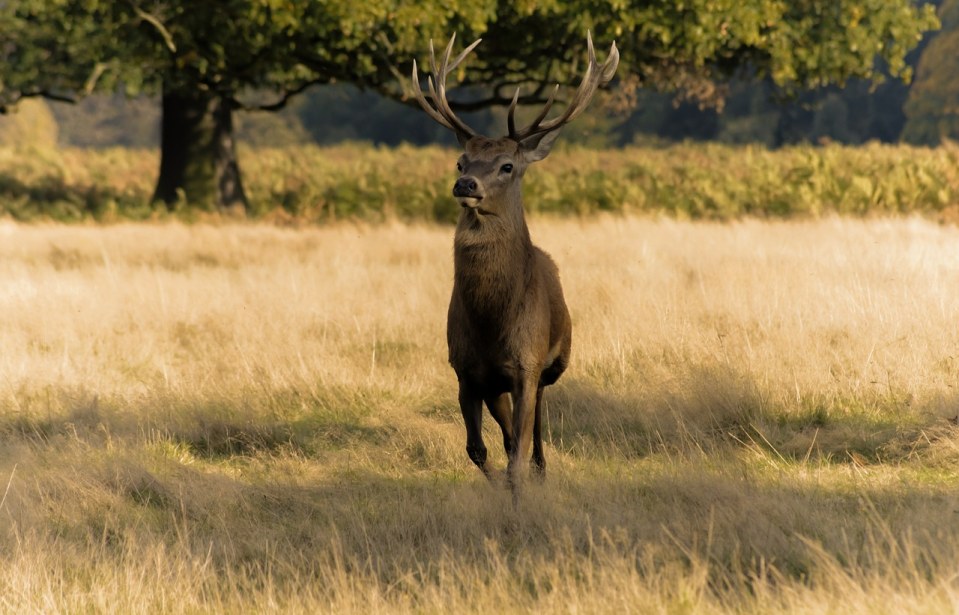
<point x="508" y="328"/>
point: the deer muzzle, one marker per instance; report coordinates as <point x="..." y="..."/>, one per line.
<point x="467" y="191"/>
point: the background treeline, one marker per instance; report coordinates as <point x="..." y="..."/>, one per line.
<point x="923" y="112"/>
<point x="753" y="113"/>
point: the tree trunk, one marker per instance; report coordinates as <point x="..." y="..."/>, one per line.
<point x="198" y="161"/>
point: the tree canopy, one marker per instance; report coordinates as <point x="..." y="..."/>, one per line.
<point x="210" y="58"/>
<point x="66" y="48"/>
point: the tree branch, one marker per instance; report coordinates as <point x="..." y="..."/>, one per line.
<point x="157" y="25"/>
<point x="285" y="97"/>
<point x="5" y="107"/>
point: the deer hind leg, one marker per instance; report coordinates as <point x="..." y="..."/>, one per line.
<point x="538" y="470"/>
<point x="502" y="409"/>
<point x="472" y="407"/>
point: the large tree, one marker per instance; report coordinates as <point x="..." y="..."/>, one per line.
<point x="204" y="58"/>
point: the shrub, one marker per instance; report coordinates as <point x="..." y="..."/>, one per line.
<point x="362" y="182"/>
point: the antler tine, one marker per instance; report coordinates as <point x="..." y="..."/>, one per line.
<point x="440" y="76"/>
<point x="589" y="47"/>
<point x="435" y="97"/>
<point x="583" y="95"/>
<point x="440" y="110"/>
<point x="463" y="54"/>
<point x="420" y="98"/>
<point x="444" y="65"/>
<point x="534" y="125"/>
<point x="595" y="76"/>
<point x="510" y="119"/>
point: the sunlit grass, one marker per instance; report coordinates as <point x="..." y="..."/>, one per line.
<point x="758" y="418"/>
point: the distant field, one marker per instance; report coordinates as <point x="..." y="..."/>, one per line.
<point x="758" y="418"/>
<point x="359" y="182"/>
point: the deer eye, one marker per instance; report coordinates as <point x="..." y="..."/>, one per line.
<point x="459" y="167"/>
<point x="506" y="168"/>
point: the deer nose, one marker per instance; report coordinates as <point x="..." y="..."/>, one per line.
<point x="464" y="186"/>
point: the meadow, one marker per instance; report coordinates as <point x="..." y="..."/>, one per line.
<point x="760" y="416"/>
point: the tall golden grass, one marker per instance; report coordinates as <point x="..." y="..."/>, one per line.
<point x="758" y="418"/>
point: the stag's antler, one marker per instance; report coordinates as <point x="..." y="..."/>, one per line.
<point x="595" y="76"/>
<point x="442" y="112"/>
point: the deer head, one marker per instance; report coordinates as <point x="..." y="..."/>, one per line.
<point x="490" y="169"/>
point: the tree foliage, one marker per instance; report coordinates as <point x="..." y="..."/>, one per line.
<point x="933" y="105"/>
<point x="692" y="44"/>
<point x="70" y="47"/>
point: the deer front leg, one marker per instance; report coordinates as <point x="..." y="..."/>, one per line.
<point x="472" y="407"/>
<point x="502" y="411"/>
<point x="539" y="460"/>
<point x="524" y="414"/>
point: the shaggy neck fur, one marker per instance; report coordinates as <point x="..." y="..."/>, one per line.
<point x="492" y="257"/>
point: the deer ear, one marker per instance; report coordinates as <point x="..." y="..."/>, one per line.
<point x="537" y="147"/>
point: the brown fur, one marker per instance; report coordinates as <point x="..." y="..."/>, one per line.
<point x="508" y="329"/>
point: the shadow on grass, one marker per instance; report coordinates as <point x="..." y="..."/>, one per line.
<point x="217" y="430"/>
<point x="708" y="409"/>
<point x="714" y="407"/>
<point x="52" y="197"/>
<point x="416" y="528"/>
<point x="663" y="490"/>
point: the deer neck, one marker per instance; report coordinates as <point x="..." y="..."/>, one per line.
<point x="492" y="259"/>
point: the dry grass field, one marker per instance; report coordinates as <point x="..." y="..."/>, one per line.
<point x="241" y="418"/>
